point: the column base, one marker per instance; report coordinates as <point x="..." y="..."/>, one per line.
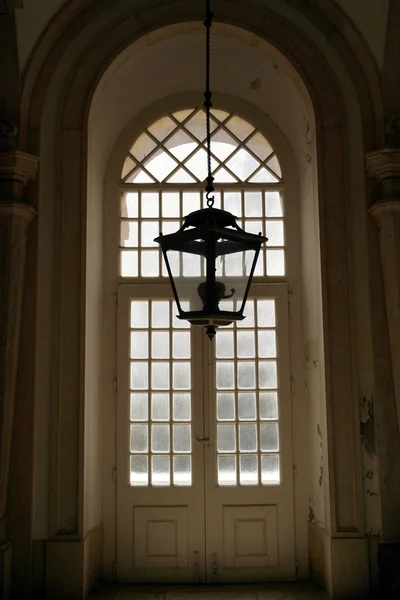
<point x="389" y="569"/>
<point x="5" y="572"/>
<point x="339" y="564"/>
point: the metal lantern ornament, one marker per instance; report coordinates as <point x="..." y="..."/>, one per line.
<point x="228" y="254"/>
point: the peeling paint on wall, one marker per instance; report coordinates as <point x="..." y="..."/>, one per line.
<point x="369" y="465"/>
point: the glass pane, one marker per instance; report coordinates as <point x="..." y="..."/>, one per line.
<point x="129" y="165"/>
<point x="129" y="205"/>
<point x="266" y="344"/>
<point x="129" y="234"/>
<point x="248" y="469"/>
<point x="226" y="438"/>
<point x="160" y="314"/>
<point x="129" y="263"/>
<point x="170" y="204"/>
<point x="245" y="344"/>
<point x="274" y="233"/>
<point x="197" y="125"/>
<point x="160" y="407"/>
<point x="180" y="145"/>
<point x="150" y="264"/>
<point x="142" y="147"/>
<point x="181" y="115"/>
<point x="274" y="165"/>
<point x="224" y="344"/>
<point x="181" y="376"/>
<point x="179" y="323"/>
<point x="161" y="128"/>
<point x="249" y="314"/>
<point x="139" y="407"/>
<point x="160" y="438"/>
<point x="160" y="376"/>
<point x="191" y="265"/>
<point x="273" y="204"/>
<point x="253" y="204"/>
<point x="191" y="202"/>
<point x="240" y="128"/>
<point x="225" y="375"/>
<point x="263" y="176"/>
<point x="259" y="145"/>
<point x="222" y="144"/>
<point x="139" y="344"/>
<point x="181" y="344"/>
<point x="225" y="407"/>
<point x="149" y="205"/>
<point x="149" y="231"/>
<point x="266" y="313"/>
<point x="269" y="441"/>
<point x="160" y="344"/>
<point x="182" y="470"/>
<point x="247" y="407"/>
<point x="139" y="438"/>
<point x="160" y="470"/>
<point x="139" y="470"/>
<point x="222" y="176"/>
<point x="248" y="437"/>
<point x="181" y="407"/>
<point x="246" y="375"/>
<point x="197" y="164"/>
<point x="233" y="203"/>
<point x="140" y="176"/>
<point x="160" y="165"/>
<point x="268" y="405"/>
<point x="182" y="438"/>
<point x="275" y="262"/>
<point x="139" y="376"/>
<point x="270" y="469"/>
<point x="139" y="314"/>
<point x="181" y="176"/>
<point x="242" y="164"/>
<point x="226" y="470"/>
<point x="267" y="374"/>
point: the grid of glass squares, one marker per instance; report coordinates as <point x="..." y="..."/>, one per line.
<point x="145" y="213"/>
<point x="160" y="396"/>
<point x="246" y="388"/>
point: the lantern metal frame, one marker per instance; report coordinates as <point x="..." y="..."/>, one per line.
<point x="211" y="233"/>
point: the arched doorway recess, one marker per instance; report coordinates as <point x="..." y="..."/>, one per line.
<point x="347" y="122"/>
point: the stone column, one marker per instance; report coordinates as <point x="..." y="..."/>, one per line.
<point x="16" y="169"/>
<point x="384" y="165"/>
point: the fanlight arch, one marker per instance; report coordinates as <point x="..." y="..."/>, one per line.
<point x="162" y="180"/>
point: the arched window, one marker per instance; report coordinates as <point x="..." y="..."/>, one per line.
<point x="163" y="180"/>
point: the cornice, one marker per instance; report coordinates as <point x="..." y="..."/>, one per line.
<point x="18" y="166"/>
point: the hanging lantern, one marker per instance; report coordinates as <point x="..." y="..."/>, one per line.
<point x="228" y="253"/>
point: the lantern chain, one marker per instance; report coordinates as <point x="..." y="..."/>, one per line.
<point x="208" y="105"/>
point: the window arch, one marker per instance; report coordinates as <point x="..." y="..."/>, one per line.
<point x="162" y="180"/>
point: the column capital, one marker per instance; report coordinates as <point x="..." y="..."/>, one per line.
<point x="384" y="164"/>
<point x="17" y="209"/>
<point x="18" y="166"/>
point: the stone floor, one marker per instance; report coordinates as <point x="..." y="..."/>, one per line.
<point x="282" y="591"/>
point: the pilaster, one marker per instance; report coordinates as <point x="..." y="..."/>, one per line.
<point x="384" y="165"/>
<point x="16" y="169"/>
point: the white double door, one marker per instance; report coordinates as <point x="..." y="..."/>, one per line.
<point x="205" y="470"/>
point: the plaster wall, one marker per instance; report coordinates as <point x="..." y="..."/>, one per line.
<point x="369" y="16"/>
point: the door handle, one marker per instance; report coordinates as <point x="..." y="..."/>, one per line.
<point x="202" y="439"/>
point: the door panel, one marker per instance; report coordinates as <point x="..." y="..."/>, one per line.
<point x="160" y="475"/>
<point x="249" y="465"/>
<point x="229" y="518"/>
